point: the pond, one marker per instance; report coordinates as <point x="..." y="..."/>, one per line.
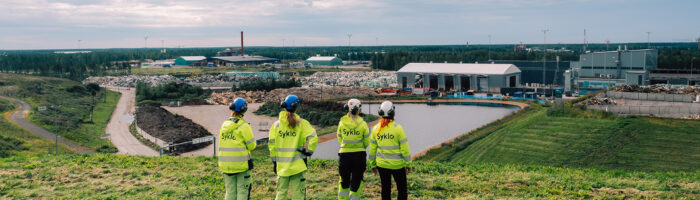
<point x="429" y="125"/>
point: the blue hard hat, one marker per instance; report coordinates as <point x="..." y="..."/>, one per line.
<point x="239" y="105"/>
<point x="290" y="103"/>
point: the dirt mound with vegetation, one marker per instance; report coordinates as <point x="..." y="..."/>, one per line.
<point x="169" y="127"/>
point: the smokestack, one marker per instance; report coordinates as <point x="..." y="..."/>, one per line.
<point x="242" y="53"/>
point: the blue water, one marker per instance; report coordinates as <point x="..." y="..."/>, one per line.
<point x="427" y="126"/>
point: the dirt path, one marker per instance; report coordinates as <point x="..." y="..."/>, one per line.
<point x="19" y="117"/>
<point x="118" y="126"/>
<point x="212" y="116"/>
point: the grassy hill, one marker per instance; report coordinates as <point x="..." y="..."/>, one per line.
<point x="16" y="141"/>
<point x="567" y="136"/>
<point x="73" y="116"/>
<point x="108" y="176"/>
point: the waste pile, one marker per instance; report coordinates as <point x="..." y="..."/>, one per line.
<point x="695" y="116"/>
<point x="598" y="101"/>
<point x="660" y="88"/>
<point x="130" y="81"/>
<point x="305" y="93"/>
<point x="168" y="127"/>
<point x="369" y="79"/>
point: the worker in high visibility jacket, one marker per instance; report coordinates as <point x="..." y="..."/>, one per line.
<point x="389" y="153"/>
<point x="235" y="143"/>
<point x="291" y="141"/>
<point x="353" y="136"/>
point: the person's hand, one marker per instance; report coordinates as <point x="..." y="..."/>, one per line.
<point x="374" y="171"/>
<point x="408" y="170"/>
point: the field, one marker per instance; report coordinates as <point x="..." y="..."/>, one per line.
<point x="16" y="141"/>
<point x="541" y="136"/>
<point x="108" y="176"/>
<point x="73" y="117"/>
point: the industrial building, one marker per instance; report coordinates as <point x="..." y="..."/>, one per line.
<point x="600" y="70"/>
<point x="324" y="61"/>
<point x="674" y="76"/>
<point x="532" y="71"/>
<point x="191" y="60"/>
<point x="459" y="76"/>
<point x="230" y="61"/>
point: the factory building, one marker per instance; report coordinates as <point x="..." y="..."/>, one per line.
<point x="230" y="61"/>
<point x="459" y="77"/>
<point x="191" y="61"/>
<point x="532" y="71"/>
<point x="324" y="61"/>
<point x="600" y="70"/>
<point x="674" y="76"/>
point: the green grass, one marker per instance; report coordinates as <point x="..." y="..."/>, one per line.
<point x="73" y="117"/>
<point x="108" y="176"/>
<point x="543" y="135"/>
<point x="17" y="141"/>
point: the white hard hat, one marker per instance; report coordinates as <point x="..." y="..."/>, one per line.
<point x="386" y="109"/>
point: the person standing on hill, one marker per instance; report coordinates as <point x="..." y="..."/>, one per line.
<point x="353" y="136"/>
<point x="291" y="141"/>
<point x="235" y="143"/>
<point x="389" y="153"/>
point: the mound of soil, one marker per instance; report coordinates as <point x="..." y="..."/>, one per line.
<point x="169" y="127"/>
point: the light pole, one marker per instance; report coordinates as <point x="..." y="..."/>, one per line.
<point x="691" y="70"/>
<point x="648" y="41"/>
<point x="544" y="57"/>
<point x="489" y="47"/>
<point x="55" y="125"/>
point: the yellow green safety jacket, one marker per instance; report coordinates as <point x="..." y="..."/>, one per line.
<point x="235" y="143"/>
<point x="353" y="135"/>
<point x="286" y="145"/>
<point x="389" y="148"/>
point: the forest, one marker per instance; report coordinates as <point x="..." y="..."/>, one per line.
<point x="102" y="61"/>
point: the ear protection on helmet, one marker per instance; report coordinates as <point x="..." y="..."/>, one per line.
<point x="353" y="110"/>
<point x="238" y="105"/>
<point x="389" y="113"/>
<point x="290" y="103"/>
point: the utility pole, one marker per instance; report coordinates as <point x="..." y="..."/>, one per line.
<point x="489" y="47"/>
<point x="585" y="43"/>
<point x="283" y="42"/>
<point x="648" y="40"/>
<point x="79" y="45"/>
<point x="145" y="42"/>
<point x="691" y="70"/>
<point x="544" y="57"/>
<point x="349" y="37"/>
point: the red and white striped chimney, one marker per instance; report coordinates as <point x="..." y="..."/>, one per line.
<point x="242" y="54"/>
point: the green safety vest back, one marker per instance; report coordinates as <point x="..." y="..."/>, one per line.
<point x="353" y="135"/>
<point x="235" y="143"/>
<point x="286" y="144"/>
<point x="389" y="148"/>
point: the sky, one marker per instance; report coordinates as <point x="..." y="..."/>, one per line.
<point x="60" y="24"/>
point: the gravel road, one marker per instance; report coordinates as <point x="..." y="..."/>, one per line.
<point x="118" y="126"/>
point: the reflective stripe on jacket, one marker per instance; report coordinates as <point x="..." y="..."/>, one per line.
<point x="353" y="135"/>
<point x="286" y="144"/>
<point x="235" y="143"/>
<point x="389" y="148"/>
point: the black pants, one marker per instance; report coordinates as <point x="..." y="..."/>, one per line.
<point x="400" y="178"/>
<point x="351" y="167"/>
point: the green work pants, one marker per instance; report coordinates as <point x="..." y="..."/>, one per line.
<point x="295" y="182"/>
<point x="238" y="185"/>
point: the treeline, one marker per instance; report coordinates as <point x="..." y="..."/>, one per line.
<point x="169" y="92"/>
<point x="266" y="84"/>
<point x="322" y="114"/>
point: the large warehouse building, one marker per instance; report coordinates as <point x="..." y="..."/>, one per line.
<point x="459" y="77"/>
<point x="532" y="71"/>
<point x="191" y="61"/>
<point x="230" y="61"/>
<point x="324" y="61"/>
<point x="599" y="70"/>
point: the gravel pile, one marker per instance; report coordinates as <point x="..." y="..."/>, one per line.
<point x="130" y="81"/>
<point x="305" y="93"/>
<point x="598" y="101"/>
<point x="663" y="89"/>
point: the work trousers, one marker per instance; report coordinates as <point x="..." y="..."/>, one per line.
<point x="400" y="178"/>
<point x="238" y="185"/>
<point x="297" y="183"/>
<point x="351" y="168"/>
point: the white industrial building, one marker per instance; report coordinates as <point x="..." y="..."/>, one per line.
<point x="459" y="76"/>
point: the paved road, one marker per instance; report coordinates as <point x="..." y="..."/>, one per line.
<point x="118" y="126"/>
<point x="19" y="117"/>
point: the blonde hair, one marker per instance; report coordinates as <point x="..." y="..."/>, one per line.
<point x="292" y="119"/>
<point x="236" y="114"/>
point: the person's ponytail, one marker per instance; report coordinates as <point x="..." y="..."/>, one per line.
<point x="292" y="120"/>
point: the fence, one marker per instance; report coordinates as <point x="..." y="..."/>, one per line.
<point x="649" y="110"/>
<point x="155" y="140"/>
<point x="651" y="96"/>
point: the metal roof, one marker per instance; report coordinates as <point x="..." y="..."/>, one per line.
<point x="321" y="58"/>
<point x="193" y="58"/>
<point x="457" y="68"/>
<point x="244" y="58"/>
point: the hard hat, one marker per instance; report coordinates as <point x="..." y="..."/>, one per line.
<point x="387" y="109"/>
<point x="290" y="103"/>
<point x="239" y="105"/>
<point x="353" y="106"/>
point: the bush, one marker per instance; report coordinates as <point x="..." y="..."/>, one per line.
<point x="322" y="114"/>
<point x="170" y="92"/>
<point x="5" y="106"/>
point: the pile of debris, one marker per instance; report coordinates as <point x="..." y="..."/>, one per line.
<point x="695" y="116"/>
<point x="305" y="93"/>
<point x="598" y="101"/>
<point x="660" y="88"/>
<point x="130" y="81"/>
<point x="369" y="79"/>
<point x="171" y="128"/>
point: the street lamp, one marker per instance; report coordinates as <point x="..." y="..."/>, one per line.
<point x="691" y="70"/>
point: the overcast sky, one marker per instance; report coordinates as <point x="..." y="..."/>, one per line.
<point x="48" y="24"/>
